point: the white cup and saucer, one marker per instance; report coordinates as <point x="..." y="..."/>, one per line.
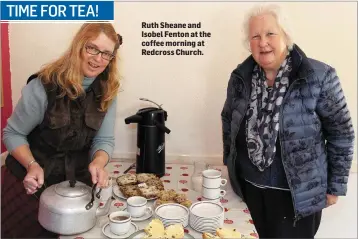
<point x="120" y="225"/>
<point x="213" y="179"/>
<point x="138" y="208"/>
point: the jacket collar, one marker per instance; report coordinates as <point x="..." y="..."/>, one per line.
<point x="96" y="87"/>
<point x="301" y="67"/>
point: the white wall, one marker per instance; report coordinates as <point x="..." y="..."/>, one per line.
<point x="192" y="88"/>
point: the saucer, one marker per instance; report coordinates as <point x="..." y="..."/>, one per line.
<point x="147" y="214"/>
<point x="107" y="231"/>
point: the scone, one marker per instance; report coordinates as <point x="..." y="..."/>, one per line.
<point x="167" y="195"/>
<point x="155" y="229"/>
<point x="187" y="203"/>
<point x="174" y="231"/>
<point x="228" y="233"/>
<point x="130" y="190"/>
<point x="126" y="179"/>
<point x="207" y="235"/>
<point x="148" y="192"/>
<point x="144" y="177"/>
<point x="155" y="182"/>
<point x="247" y="237"/>
<point x="180" y="197"/>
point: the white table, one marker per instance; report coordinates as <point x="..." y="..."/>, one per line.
<point x="178" y="177"/>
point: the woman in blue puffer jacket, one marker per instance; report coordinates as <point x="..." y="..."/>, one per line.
<point x="287" y="132"/>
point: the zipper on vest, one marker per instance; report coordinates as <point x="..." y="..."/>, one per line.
<point x="295" y="218"/>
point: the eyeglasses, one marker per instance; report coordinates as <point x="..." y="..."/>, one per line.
<point x="94" y="51"/>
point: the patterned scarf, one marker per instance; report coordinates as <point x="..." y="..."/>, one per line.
<point x="262" y="125"/>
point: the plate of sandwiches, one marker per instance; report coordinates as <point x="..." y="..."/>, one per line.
<point x="143" y="184"/>
<point x="156" y="229"/>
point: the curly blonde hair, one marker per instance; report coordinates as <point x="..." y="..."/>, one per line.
<point x="66" y="71"/>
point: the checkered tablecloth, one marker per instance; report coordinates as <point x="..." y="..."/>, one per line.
<point x="178" y="177"/>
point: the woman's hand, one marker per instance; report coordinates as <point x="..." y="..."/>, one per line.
<point x="331" y="199"/>
<point x="96" y="168"/>
<point x="34" y="178"/>
<point x="99" y="174"/>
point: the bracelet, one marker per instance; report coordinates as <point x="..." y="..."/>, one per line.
<point x="29" y="164"/>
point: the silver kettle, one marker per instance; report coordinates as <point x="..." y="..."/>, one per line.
<point x="69" y="209"/>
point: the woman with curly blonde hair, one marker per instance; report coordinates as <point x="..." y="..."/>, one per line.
<point x="62" y="128"/>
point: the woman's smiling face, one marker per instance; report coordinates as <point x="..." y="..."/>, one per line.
<point x="94" y="64"/>
<point x="267" y="41"/>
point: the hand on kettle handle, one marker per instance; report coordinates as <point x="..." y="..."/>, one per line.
<point x="98" y="173"/>
<point x="34" y="178"/>
<point x="162" y="127"/>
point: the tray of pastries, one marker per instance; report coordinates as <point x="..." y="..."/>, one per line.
<point x="143" y="184"/>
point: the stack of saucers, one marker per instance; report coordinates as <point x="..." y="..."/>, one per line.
<point x="172" y="213"/>
<point x="206" y="216"/>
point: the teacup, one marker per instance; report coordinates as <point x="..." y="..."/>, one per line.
<point x="213" y="193"/>
<point x="120" y="222"/>
<point x="212" y="179"/>
<point x="137" y="206"/>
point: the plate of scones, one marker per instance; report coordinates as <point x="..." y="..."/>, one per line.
<point x="142" y="184"/>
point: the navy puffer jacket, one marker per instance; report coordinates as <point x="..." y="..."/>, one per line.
<point x="316" y="132"/>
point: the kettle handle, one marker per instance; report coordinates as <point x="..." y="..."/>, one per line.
<point x="90" y="204"/>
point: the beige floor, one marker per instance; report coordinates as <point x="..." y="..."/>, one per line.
<point x="340" y="220"/>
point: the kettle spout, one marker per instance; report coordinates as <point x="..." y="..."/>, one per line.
<point x="104" y="210"/>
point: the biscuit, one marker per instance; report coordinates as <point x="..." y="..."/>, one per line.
<point x="168" y="195"/>
<point x="149" y="192"/>
<point x="187" y="203"/>
<point x="228" y="233"/>
<point x="180" y="197"/>
<point x="155" y="229"/>
<point x="130" y="190"/>
<point x="155" y="182"/>
<point x="174" y="231"/>
<point x="126" y="179"/>
<point x="144" y="177"/>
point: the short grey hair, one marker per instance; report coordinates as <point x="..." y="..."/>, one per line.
<point x="276" y="12"/>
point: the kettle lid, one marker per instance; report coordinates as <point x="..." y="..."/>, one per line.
<point x="64" y="189"/>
